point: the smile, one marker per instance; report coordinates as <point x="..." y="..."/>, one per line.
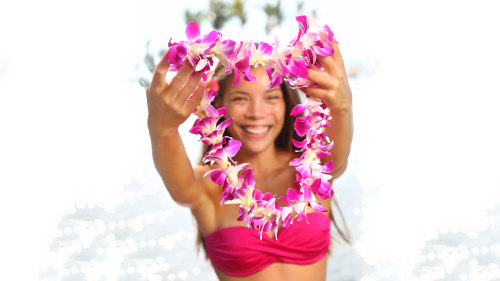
<point x="256" y="130"/>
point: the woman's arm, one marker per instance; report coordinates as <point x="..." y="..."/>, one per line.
<point x="336" y="94"/>
<point x="341" y="133"/>
<point x="174" y="167"/>
<point x="169" y="105"/>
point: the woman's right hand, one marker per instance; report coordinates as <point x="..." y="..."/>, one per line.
<point x="170" y="104"/>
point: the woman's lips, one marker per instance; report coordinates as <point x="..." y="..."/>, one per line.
<point x="256" y="130"/>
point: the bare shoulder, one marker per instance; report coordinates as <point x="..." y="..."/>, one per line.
<point x="211" y="189"/>
<point x="200" y="171"/>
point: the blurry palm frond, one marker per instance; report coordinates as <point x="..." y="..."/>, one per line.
<point x="219" y="13"/>
<point x="300" y="6"/>
<point x="238" y="10"/>
<point x="314" y="13"/>
<point x="144" y="82"/>
<point x="161" y="52"/>
<point x="274" y="15"/>
<point x="197" y="17"/>
<point x="149" y="60"/>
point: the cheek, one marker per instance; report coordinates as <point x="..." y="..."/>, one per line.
<point x="233" y="111"/>
<point x="280" y="114"/>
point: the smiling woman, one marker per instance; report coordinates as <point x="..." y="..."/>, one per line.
<point x="260" y="112"/>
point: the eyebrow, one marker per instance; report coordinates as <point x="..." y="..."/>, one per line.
<point x="246" y="93"/>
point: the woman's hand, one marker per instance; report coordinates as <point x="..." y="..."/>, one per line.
<point x="170" y="104"/>
<point x="333" y="88"/>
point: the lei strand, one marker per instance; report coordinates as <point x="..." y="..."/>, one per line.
<point x="260" y="210"/>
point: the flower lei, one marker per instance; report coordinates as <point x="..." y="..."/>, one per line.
<point x="260" y="210"/>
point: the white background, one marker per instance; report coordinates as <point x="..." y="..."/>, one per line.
<point x="73" y="117"/>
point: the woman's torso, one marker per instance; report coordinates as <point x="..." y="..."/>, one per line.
<point x="211" y="216"/>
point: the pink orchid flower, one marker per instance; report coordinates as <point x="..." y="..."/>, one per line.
<point x="286" y="216"/>
<point x="261" y="56"/>
<point x="205" y="126"/>
<point x="223" y="50"/>
<point x="219" y="176"/>
<point x="216" y="136"/>
<point x="303" y="199"/>
<point x="318" y="180"/>
<point x="266" y="214"/>
<point x="240" y="62"/>
<point x="275" y="73"/>
<point x="196" y="50"/>
<point x="316" y="41"/>
<point x="222" y="154"/>
<point x="205" y="109"/>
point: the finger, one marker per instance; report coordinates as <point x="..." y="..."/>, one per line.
<point x="161" y="70"/>
<point x="181" y="77"/>
<point x="337" y="56"/>
<point x="315" y="92"/>
<point x="324" y="80"/>
<point x="328" y="64"/>
<point x="189" y="87"/>
<point x="333" y="68"/>
<point x="195" y="98"/>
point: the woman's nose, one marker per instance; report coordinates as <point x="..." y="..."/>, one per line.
<point x="256" y="110"/>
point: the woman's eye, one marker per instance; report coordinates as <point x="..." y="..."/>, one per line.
<point x="238" y="99"/>
<point x="273" y="97"/>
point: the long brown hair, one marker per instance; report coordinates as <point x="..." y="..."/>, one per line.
<point x="283" y="141"/>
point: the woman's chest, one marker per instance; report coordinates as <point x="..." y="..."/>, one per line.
<point x="276" y="183"/>
<point x="225" y="215"/>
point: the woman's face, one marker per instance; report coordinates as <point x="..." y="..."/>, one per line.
<point x="258" y="112"/>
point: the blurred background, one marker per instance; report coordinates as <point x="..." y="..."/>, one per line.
<point x="81" y="199"/>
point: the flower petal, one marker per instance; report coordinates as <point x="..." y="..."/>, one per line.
<point x="317" y="206"/>
<point x="265" y="48"/>
<point x="298" y="109"/>
<point x="328" y="167"/>
<point x="210" y="37"/>
<point x="192" y="31"/>
<point x="237" y="78"/>
<point x="293" y="194"/>
<point x="298" y="68"/>
<point x="233" y="146"/>
<point x="201" y="65"/>
<point x="247" y="177"/>
<point x="302" y="125"/>
<point x="299" y="144"/>
<point x="217" y="176"/>
<point x="176" y="54"/>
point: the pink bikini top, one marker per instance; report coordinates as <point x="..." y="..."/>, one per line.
<point x="238" y="250"/>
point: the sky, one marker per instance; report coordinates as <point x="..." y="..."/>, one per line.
<point x="73" y="117"/>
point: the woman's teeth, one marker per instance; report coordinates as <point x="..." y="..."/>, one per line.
<point x="256" y="130"/>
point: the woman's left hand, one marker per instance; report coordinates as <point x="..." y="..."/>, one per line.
<point x="333" y="88"/>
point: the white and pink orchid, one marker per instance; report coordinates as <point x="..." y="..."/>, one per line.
<point x="196" y="50"/>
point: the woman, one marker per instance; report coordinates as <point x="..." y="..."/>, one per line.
<point x="259" y="115"/>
